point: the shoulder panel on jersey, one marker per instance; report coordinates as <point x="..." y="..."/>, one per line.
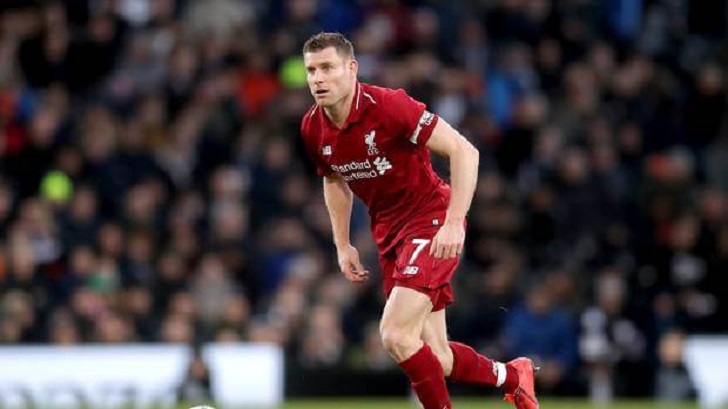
<point x="366" y="92"/>
<point x="412" y="117"/>
<point x="378" y="94"/>
<point x="396" y="96"/>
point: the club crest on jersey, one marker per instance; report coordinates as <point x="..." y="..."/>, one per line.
<point x="371" y="145"/>
<point x="326" y="150"/>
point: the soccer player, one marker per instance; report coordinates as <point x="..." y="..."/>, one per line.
<point x="376" y="143"/>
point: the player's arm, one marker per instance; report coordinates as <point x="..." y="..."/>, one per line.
<point x="464" y="158"/>
<point x="339" y="201"/>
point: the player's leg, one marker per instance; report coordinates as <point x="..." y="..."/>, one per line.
<point x="434" y="334"/>
<point x="404" y="317"/>
<point x="462" y="363"/>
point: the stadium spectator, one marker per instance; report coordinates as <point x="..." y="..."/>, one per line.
<point x="672" y="383"/>
<point x="542" y="329"/>
<point x="196" y="385"/>
<point x="610" y="342"/>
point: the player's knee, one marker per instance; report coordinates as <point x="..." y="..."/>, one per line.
<point x="392" y="338"/>
<point x="398" y="342"/>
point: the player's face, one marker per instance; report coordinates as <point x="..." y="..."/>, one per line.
<point x="330" y="76"/>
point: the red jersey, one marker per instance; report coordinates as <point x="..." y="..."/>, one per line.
<point x="380" y="152"/>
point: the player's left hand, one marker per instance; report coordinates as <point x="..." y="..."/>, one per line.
<point x="448" y="242"/>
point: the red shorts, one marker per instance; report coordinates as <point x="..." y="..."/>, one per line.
<point x="413" y="267"/>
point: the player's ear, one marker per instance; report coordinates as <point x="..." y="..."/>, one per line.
<point x="353" y="66"/>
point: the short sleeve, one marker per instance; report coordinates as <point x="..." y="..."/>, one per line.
<point x="312" y="148"/>
<point x="411" y="117"/>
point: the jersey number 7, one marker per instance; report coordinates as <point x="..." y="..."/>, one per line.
<point x="421" y="243"/>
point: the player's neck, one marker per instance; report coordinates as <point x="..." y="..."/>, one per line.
<point x="338" y="113"/>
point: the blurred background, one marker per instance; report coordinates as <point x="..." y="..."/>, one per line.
<point x="154" y="189"/>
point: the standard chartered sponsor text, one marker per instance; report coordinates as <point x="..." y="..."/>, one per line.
<point x="354" y="165"/>
<point x="355" y="170"/>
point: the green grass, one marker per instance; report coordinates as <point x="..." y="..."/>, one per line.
<point x="476" y="404"/>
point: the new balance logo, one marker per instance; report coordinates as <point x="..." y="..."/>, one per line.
<point x="411" y="270"/>
<point x="382" y="165"/>
<point x="371" y="145"/>
<point x="326" y="150"/>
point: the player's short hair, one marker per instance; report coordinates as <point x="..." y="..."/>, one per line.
<point x="321" y="41"/>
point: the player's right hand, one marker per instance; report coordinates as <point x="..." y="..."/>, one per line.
<point x="350" y="265"/>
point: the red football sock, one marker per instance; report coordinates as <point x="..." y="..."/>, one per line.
<point x="428" y="379"/>
<point x="470" y="367"/>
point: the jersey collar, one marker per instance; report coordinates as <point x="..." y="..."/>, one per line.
<point x="359" y="104"/>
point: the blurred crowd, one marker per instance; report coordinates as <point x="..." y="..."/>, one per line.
<point x="153" y="187"/>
